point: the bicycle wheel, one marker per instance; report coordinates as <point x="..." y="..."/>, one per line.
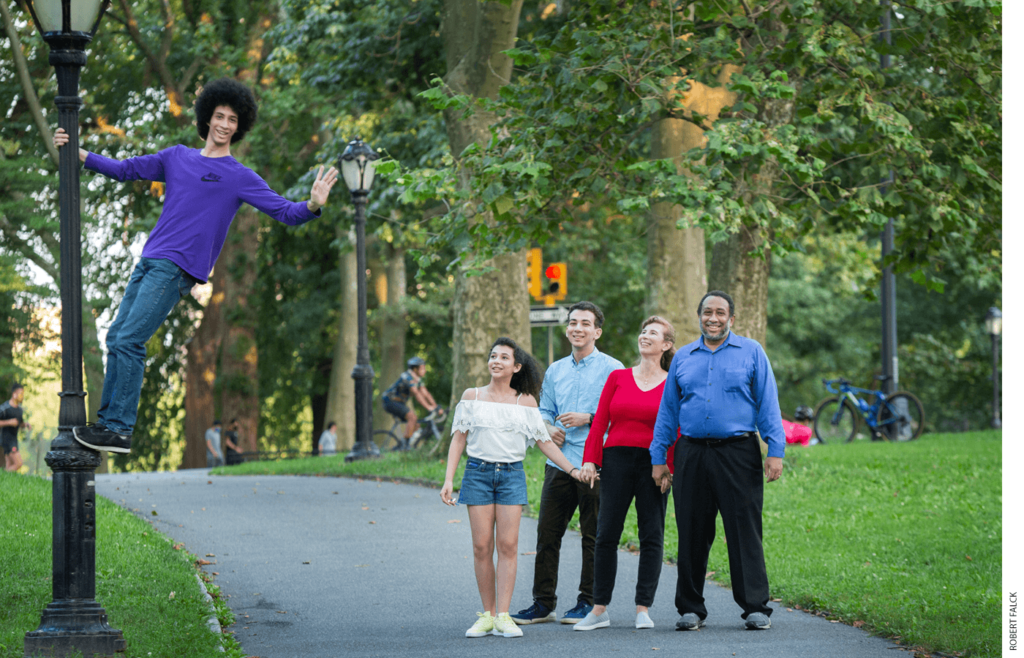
<point x="835" y="421"/>
<point x="901" y="418"/>
<point x="386" y="439"/>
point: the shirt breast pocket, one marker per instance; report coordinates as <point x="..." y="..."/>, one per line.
<point x="737" y="380"/>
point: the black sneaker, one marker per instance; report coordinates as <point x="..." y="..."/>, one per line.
<point x="98" y="437"/>
<point x="690" y="622"/>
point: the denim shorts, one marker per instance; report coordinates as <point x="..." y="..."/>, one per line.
<point x="488" y="483"/>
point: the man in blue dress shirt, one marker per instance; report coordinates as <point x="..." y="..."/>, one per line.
<point x="568" y="402"/>
<point x="719" y="390"/>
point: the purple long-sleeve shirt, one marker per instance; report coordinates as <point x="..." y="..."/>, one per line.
<point x="202" y="196"/>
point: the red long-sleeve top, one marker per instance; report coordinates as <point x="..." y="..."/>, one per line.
<point x="627" y="414"/>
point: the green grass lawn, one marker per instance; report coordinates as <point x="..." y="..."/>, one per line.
<point x="147" y="587"/>
<point x="902" y="539"/>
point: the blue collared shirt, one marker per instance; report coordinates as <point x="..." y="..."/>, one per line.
<point x="571" y="386"/>
<point x="718" y="395"/>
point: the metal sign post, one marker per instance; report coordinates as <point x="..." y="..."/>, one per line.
<point x="550" y="317"/>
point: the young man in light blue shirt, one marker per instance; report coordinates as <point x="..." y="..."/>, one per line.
<point x="568" y="402"/>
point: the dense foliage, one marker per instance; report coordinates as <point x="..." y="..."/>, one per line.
<point x="813" y="128"/>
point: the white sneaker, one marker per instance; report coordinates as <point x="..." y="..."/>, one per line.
<point x="643" y="620"/>
<point x="483" y="626"/>
<point x="505" y="627"/>
<point x="592" y="621"/>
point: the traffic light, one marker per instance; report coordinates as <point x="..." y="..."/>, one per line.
<point x="533" y="267"/>
<point x="555" y="287"/>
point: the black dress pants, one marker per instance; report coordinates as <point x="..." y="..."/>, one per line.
<point x="559" y="499"/>
<point x="709" y="479"/>
<point x="625" y="476"/>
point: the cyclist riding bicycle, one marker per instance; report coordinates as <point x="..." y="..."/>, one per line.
<point x="396" y="398"/>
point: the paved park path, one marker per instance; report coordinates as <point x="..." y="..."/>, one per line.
<point x="323" y="567"/>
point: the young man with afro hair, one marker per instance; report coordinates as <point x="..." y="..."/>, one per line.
<point x="205" y="189"/>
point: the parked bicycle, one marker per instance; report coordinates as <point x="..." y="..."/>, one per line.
<point x="895" y="417"/>
<point x="430" y="429"/>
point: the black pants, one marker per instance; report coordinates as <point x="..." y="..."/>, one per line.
<point x="626" y="475"/>
<point x="559" y="499"/>
<point x="725" y="478"/>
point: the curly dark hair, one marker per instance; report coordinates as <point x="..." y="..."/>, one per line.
<point x="529" y="377"/>
<point x="588" y="306"/>
<point x="228" y="92"/>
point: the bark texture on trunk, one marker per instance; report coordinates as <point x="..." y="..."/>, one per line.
<point x="239" y="354"/>
<point x="201" y="374"/>
<point x="676" y="259"/>
<point x="394" y="323"/>
<point x="496" y="303"/>
<point x="734" y="268"/>
<point x="488" y="306"/>
<point x="341" y="396"/>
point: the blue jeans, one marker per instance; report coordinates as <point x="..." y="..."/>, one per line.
<point x="154" y="288"/>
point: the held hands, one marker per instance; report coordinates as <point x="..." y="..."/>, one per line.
<point x="662" y="477"/>
<point x="589" y="474"/>
<point x="446" y="494"/>
<point x="321" y="188"/>
<point x="773" y="468"/>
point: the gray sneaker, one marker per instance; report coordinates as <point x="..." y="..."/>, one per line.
<point x="758" y="621"/>
<point x="592" y="621"/>
<point x="690" y="622"/>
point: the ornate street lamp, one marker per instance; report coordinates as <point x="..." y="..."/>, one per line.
<point x="73" y="621"/>
<point x="357" y="165"/>
<point x="994" y="327"/>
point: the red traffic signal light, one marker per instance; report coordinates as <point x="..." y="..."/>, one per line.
<point x="553" y="272"/>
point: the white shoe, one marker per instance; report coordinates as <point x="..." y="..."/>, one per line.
<point x="483" y="626"/>
<point x="505" y="627"/>
<point x="643" y="620"/>
<point x="592" y="621"/>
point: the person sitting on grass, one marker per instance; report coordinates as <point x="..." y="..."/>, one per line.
<point x="205" y="189"/>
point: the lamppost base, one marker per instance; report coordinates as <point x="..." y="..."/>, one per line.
<point x="362" y="452"/>
<point x="74" y="625"/>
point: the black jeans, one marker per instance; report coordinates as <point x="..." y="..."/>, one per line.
<point x="709" y="479"/>
<point x="625" y="475"/>
<point x="559" y="499"/>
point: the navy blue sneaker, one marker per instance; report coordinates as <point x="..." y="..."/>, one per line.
<point x="535" y="614"/>
<point x="577" y="614"/>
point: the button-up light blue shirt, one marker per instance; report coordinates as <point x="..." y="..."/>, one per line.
<point x="575" y="387"/>
<point x="718" y="395"/>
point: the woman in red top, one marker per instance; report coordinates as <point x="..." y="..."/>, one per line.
<point x="627" y="411"/>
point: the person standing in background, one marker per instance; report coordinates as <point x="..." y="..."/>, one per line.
<point x="11" y="420"/>
<point x="329" y="440"/>
<point x="214" y="457"/>
<point x="232" y="453"/>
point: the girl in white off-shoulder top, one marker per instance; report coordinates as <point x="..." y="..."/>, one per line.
<point x="495" y="425"/>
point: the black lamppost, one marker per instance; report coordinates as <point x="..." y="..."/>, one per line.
<point x="73" y="621"/>
<point x="994" y="327"/>
<point x="357" y="165"/>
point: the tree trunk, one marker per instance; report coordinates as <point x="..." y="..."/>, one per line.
<point x="745" y="277"/>
<point x="201" y="373"/>
<point x="393" y="325"/>
<point x="734" y="268"/>
<point x="239" y="356"/>
<point x="496" y="303"/>
<point x="341" y="396"/>
<point x="676" y="262"/>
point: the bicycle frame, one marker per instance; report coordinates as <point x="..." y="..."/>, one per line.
<point x="869" y="412"/>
